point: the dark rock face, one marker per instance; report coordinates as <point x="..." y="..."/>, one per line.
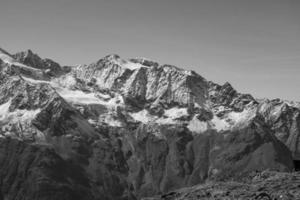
<point x="180" y="159"/>
<point x="36" y="172"/>
<point x="242" y="151"/>
<point x="117" y="170"/>
<point x="108" y="171"/>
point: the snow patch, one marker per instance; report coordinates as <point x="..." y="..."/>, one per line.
<point x="128" y="64"/>
<point x="79" y="97"/>
<point x="197" y="126"/>
<point x="219" y="124"/>
<point x="17" y="115"/>
<point x="118" y="100"/>
<point x="63" y="88"/>
<point x="92" y="121"/>
<point x="229" y="121"/>
<point x="34" y="81"/>
<point x="175" y="113"/>
<point x="142" y="116"/>
<point x="4" y="110"/>
<point x="132" y="66"/>
<point x="82" y="98"/>
<point x="169" y="117"/>
<point x="166" y="121"/>
<point x="112" y="121"/>
<point x="196" y="105"/>
<point x="66" y="81"/>
<point x="103" y="96"/>
<point x="27" y="114"/>
<point x="241" y="117"/>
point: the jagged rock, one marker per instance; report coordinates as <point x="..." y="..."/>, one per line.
<point x="141" y="83"/>
<point x="11" y="66"/>
<point x="204" y="115"/>
<point x="50" y="67"/>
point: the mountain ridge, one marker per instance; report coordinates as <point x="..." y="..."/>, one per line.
<point x="135" y="128"/>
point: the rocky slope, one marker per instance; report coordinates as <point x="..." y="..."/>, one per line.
<point x="265" y="185"/>
<point x="129" y="129"/>
<point x="37" y="172"/>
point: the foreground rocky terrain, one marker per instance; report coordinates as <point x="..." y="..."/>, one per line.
<point x="133" y="129"/>
<point x="265" y="185"/>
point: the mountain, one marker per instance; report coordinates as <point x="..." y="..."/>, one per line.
<point x="30" y="59"/>
<point x="131" y="128"/>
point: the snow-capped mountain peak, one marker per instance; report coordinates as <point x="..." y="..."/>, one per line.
<point x="135" y="125"/>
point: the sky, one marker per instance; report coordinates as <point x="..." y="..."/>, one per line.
<point x="253" y="44"/>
